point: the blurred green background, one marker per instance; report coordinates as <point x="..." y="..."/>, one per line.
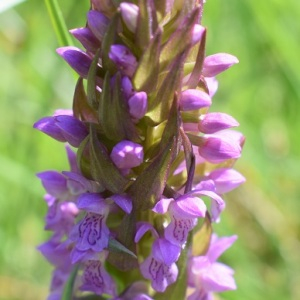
<point x="262" y="92"/>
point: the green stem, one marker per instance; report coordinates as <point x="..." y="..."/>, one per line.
<point x="58" y="23"/>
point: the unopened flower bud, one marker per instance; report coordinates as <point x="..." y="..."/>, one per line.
<point x="138" y="105"/>
<point x="77" y="59"/>
<point x="126" y="87"/>
<point x="127" y="155"/>
<point x="213" y="122"/>
<point x="197" y="33"/>
<point x="124" y="59"/>
<point x="86" y="37"/>
<point x="129" y="12"/>
<point x="194" y="99"/>
<point x="98" y="23"/>
<point x="217" y="63"/>
<point x="217" y="149"/>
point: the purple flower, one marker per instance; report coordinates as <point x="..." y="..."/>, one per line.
<point x="91" y="233"/>
<point x="206" y="275"/>
<point x="96" y="279"/>
<point x="184" y="212"/>
<point x="124" y="59"/>
<point x="61" y="216"/>
<point x="160" y="267"/>
<point x="159" y="67"/>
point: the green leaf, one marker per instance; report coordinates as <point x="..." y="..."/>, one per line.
<point x="68" y="289"/>
<point x="114" y="114"/>
<point x="125" y="235"/>
<point x="189" y="159"/>
<point x="160" y="104"/>
<point x="160" y="7"/>
<point x="109" y="39"/>
<point x="172" y="127"/>
<point x="179" y="41"/>
<point x="186" y="6"/>
<point x="197" y="70"/>
<point x="58" y="23"/>
<point x="83" y="158"/>
<point x="148" y="187"/>
<point x="92" y="93"/>
<point x="103" y="169"/>
<point x="146" y="75"/>
<point x="146" y="23"/>
<point x="81" y="108"/>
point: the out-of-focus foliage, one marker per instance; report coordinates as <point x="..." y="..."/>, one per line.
<point x="262" y="92"/>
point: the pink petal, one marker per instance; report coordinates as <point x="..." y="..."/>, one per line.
<point x="162" y="206"/>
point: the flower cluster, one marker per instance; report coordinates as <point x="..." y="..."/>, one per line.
<point x="151" y="162"/>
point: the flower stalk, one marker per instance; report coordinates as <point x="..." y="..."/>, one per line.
<point x="149" y="162"/>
